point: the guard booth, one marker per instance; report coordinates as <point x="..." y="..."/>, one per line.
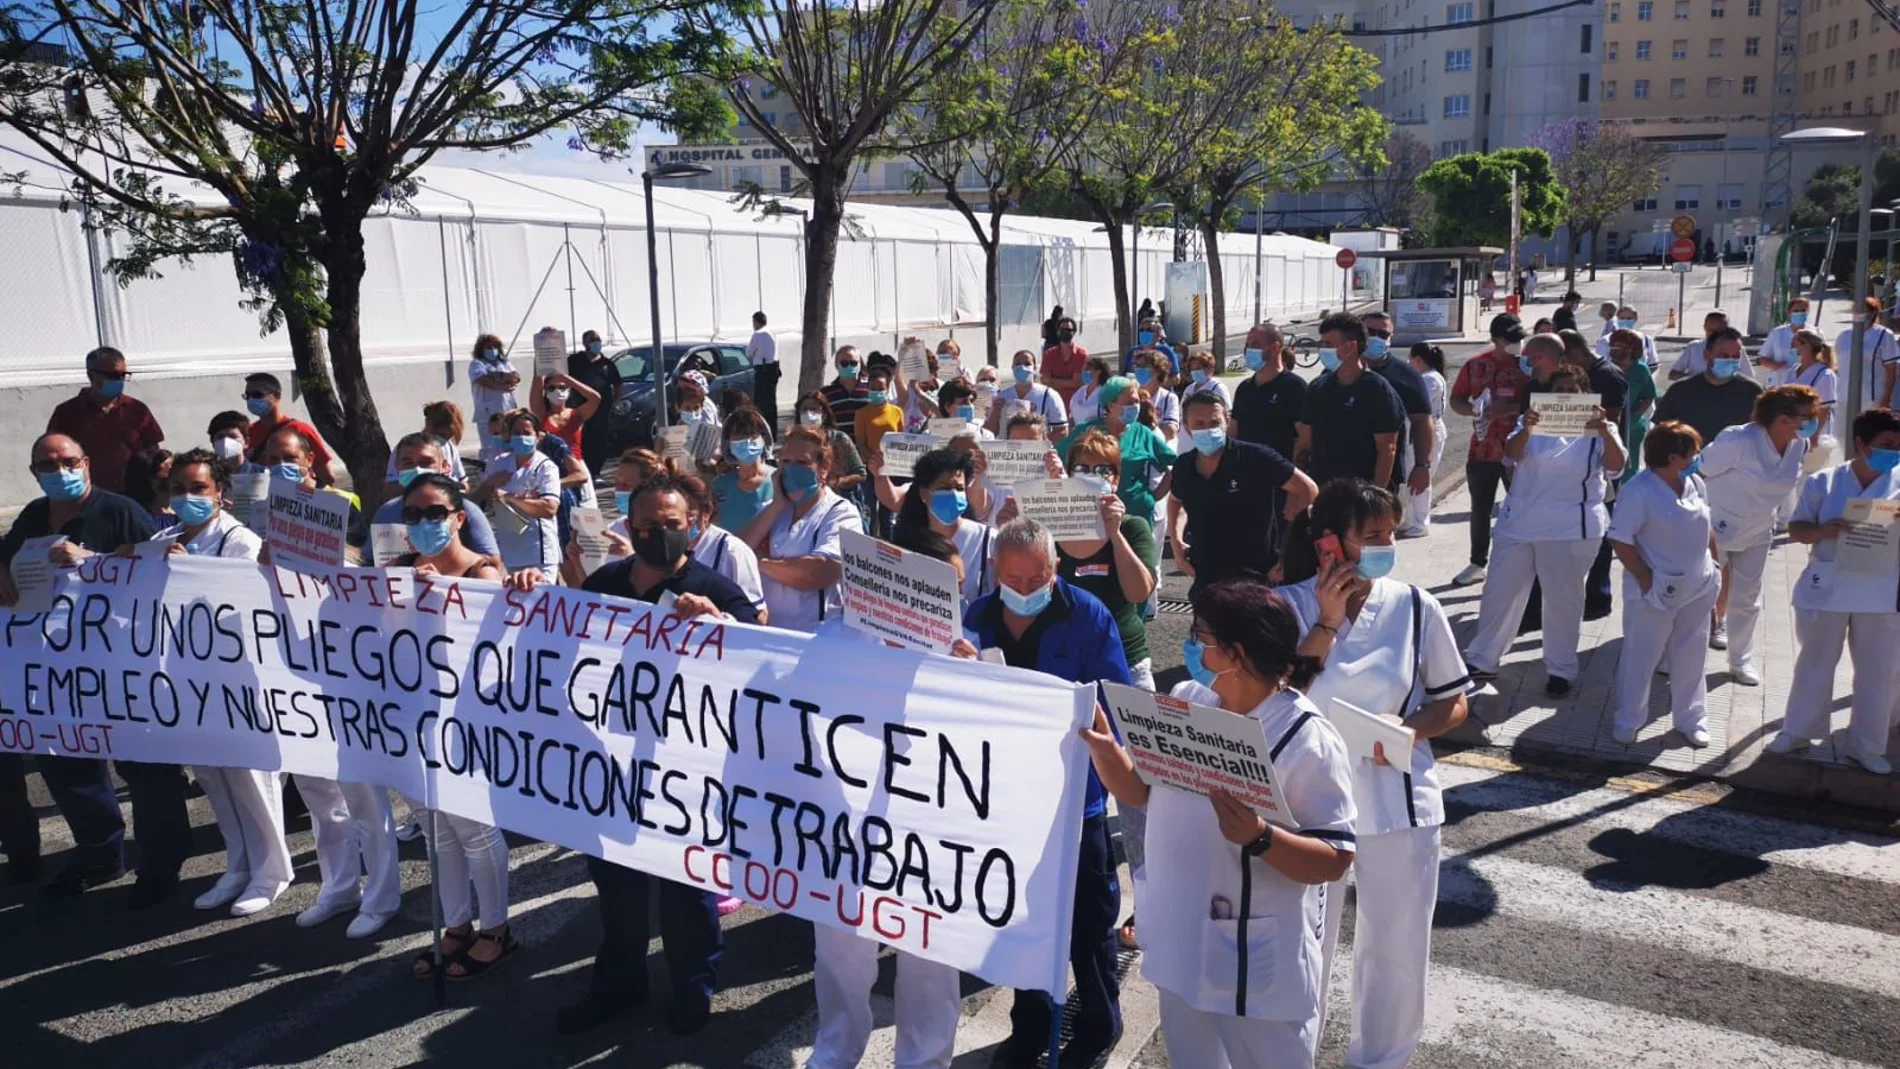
<point x="1433" y="293"/>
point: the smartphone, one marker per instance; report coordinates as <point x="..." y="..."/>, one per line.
<point x="1329" y="550"/>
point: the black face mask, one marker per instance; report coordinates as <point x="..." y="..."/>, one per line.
<point x="1066" y="335"/>
<point x="661" y="547"/>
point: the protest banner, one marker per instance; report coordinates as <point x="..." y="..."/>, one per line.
<point x="931" y="804"/>
<point x="387" y="541"/>
<point x="550" y="352"/>
<point x="1564" y="415"/>
<point x="1016" y="462"/>
<point x="306" y="528"/>
<point x="1872" y="545"/>
<point x="1069" y="508"/>
<point x="1196" y="748"/>
<point x="902" y="451"/>
<point x="249" y="497"/>
<point x="895" y="594"/>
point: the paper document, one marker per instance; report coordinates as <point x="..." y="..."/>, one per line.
<point x="550" y="352"/>
<point x="33" y="574"/>
<point x="1872" y="546"/>
<point x="1361" y="730"/>
<point x="387" y="542"/>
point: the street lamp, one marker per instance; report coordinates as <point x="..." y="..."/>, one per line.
<point x="1840" y="135"/>
<point x="1134" y="257"/>
<point x="657" y="358"/>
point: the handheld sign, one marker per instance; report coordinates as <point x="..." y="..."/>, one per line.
<point x="902" y="451"/>
<point x="1361" y="730"/>
<point x="550" y="351"/>
<point x="1069" y="508"/>
<point x="33" y="574"/>
<point x="388" y="541"/>
<point x="1564" y="415"/>
<point x="590" y="534"/>
<point x="675" y="447"/>
<point x="249" y="492"/>
<point x="1196" y="748"/>
<point x="913" y="362"/>
<point x="1016" y="462"/>
<point x="947" y="429"/>
<point x="1872" y="545"/>
<point x="308" y="528"/>
<point x="894" y="594"/>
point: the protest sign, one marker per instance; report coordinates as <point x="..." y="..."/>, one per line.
<point x="550" y="352"/>
<point x="1016" y="462"/>
<point x="155" y="547"/>
<point x="250" y="493"/>
<point x="307" y="528"/>
<point x="1870" y="547"/>
<point x="946" y="429"/>
<point x="674" y="446"/>
<point x="388" y="541"/>
<point x="1361" y="730"/>
<point x="32" y="573"/>
<point x="1564" y="415"/>
<point x="1197" y="748"/>
<point x="931" y="804"/>
<point x="913" y="362"/>
<point x="902" y="451"/>
<point x="1069" y="508"/>
<point x="895" y="594"/>
<point x="590" y="534"/>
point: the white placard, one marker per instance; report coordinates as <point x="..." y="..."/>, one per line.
<point x="1872" y="545"/>
<point x="1361" y="730"/>
<point x="387" y="541"/>
<point x="894" y="594"/>
<point x="154" y="548"/>
<point x="675" y="446"/>
<point x="308" y="528"/>
<point x="1564" y="415"/>
<point x="913" y="362"/>
<point x="250" y="492"/>
<point x="590" y="534"/>
<point x="33" y="574"/>
<point x="1012" y="462"/>
<point x="946" y="428"/>
<point x="507" y="520"/>
<point x="550" y="352"/>
<point x="1197" y="748"/>
<point x="1070" y="508"/>
<point x="902" y="451"/>
<point x="704" y="442"/>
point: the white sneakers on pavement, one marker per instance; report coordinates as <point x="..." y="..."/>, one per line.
<point x="1872" y="762"/>
<point x="364" y="925"/>
<point x="1473" y="573"/>
<point x="1718" y="635"/>
<point x="1410" y="532"/>
<point x="1699" y="738"/>
<point x="1784" y="743"/>
<point x="256" y="900"/>
<point x="224" y="892"/>
<point x="1622" y="734"/>
<point x="1745" y="675"/>
<point x="322" y="911"/>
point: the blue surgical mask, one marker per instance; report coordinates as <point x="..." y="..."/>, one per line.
<point x="491" y="354"/>
<point x="193" y="509"/>
<point x="1884" y="460"/>
<point x="848" y="372"/>
<point x="1255" y="359"/>
<point x="287" y="470"/>
<point x="693" y="533"/>
<point x="1210" y="441"/>
<point x="1695" y="465"/>
<point x="1725" y="367"/>
<point x="1146" y="337"/>
<point x="878" y="397"/>
<point x="623" y="502"/>
<point x="111" y="388"/>
<point x="1329" y="358"/>
<point x="63" y="485"/>
<point x="1131" y="413"/>
<point x="964" y="412"/>
<point x="1023" y="373"/>
<point x="947" y="506"/>
<point x="430" y="537"/>
<point x="259" y="406"/>
<point x="1144" y="375"/>
<point x="522" y="444"/>
<point x="1375" y="562"/>
<point x="1807" y="429"/>
<point x="1199" y="375"/>
<point x="1797" y="319"/>
<point x="1377" y="347"/>
<point x="1626" y="324"/>
<point x="409" y="475"/>
<point x="747" y="450"/>
<point x="1524" y="365"/>
<point x="593" y="348"/>
<point x="1193" y="651"/>
<point x="1030" y="604"/>
<point x="799" y="481"/>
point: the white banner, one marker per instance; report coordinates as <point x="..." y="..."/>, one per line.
<point x="902" y="451"/>
<point x="306" y="529"/>
<point x="929" y="803"/>
<point x="1196" y="748"/>
<point x="1069" y="508"/>
<point x="1564" y="415"/>
<point x="895" y="594"/>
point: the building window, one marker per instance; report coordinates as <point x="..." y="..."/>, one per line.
<point x="785" y="179"/>
<point x="1827" y="78"/>
<point x="1754" y="9"/>
<point x="1853" y="29"/>
<point x="1583" y="89"/>
<point x="1868" y="106"/>
<point x="1457" y="107"/>
<point x="1833" y="36"/>
<point x="1642" y="51"/>
<point x="1688" y="198"/>
<point x="1609" y="51"/>
<point x="1458" y="59"/>
<point x="1678" y="88"/>
<point x="1586" y="28"/>
<point x="1641" y="92"/>
<point x="1487" y="103"/>
<point x="1751" y="46"/>
<point x="1715" y="47"/>
<point x="1714" y="86"/>
<point x="1679" y="49"/>
<point x="1453" y="148"/>
<point x="1847" y="108"/>
<point x="1682" y="10"/>
<point x="1814" y="40"/>
<point x="1749" y="82"/>
<point x="1647" y="204"/>
<point x="1456" y="13"/>
<point x="1718" y="10"/>
<point x="1850" y="70"/>
<point x="1645" y="11"/>
<point x="1609" y="90"/>
<point x="1729" y="195"/>
<point x="768" y="91"/>
<point x="1616" y="12"/>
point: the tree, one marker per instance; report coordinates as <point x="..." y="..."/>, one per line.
<point x="842" y="67"/>
<point x="1832" y="198"/>
<point x="1602" y="167"/>
<point x="305" y="119"/>
<point x="1389" y="194"/>
<point x="1471" y="196"/>
<point x="1299" y="122"/>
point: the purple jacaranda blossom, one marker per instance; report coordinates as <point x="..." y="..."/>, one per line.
<point x="259" y="259"/>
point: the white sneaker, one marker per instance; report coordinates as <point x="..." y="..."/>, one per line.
<point x="1744" y="674"/>
<point x="1473" y="573"/>
<point x="1784" y="743"/>
<point x="1872" y="762"/>
<point x="1622" y="734"/>
<point x="1718" y="635"/>
<point x="1699" y="738"/>
<point x="1410" y="532"/>
<point x="323" y="911"/>
<point x="222" y="893"/>
<point x="365" y="925"/>
<point x="409" y="830"/>
<point x="256" y="899"/>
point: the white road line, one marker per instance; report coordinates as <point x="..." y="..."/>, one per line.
<point x="1812" y="950"/>
<point x="1781" y="842"/>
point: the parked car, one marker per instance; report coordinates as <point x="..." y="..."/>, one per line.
<point x="725" y="366"/>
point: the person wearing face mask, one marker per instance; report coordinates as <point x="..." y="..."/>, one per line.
<point x="1151" y="373"/>
<point x="848" y="473"/>
<point x="1201" y="370"/>
<point x="441" y="420"/>
<point x="287" y="454"/>
<point x="745" y="487"/>
<point x="492" y="381"/>
<point x="1388" y="649"/>
<point x="1565" y="317"/>
<point x="1625" y="319"/>
<point x="226" y="434"/>
<point x="564" y="405"/>
<point x="1268" y="401"/>
<point x="850" y="391"/>
<point x="1777" y="356"/>
<point x="1232" y="906"/>
<point x="1879" y="355"/>
<point x="594" y="368"/>
<point x="957" y="400"/>
<point x="1353" y="420"/>
<point x="111" y="427"/>
<point x="1718" y="398"/>
<point x="1123" y="568"/>
<point x="264" y="399"/>
<point x="1834" y="608"/>
<point x="1607" y="313"/>
<point x="1062" y="363"/>
<point x="1044" y="623"/>
<point x="1748" y="471"/>
<point x="1229" y="500"/>
<point x="1639" y="398"/>
<point x="1429" y="361"/>
<point x="1413" y="473"/>
<point x="1664" y="538"/>
<point x="1694" y="359"/>
<point x="799" y="537"/>
<point x="421" y="454"/>
<point x="920" y="395"/>
<point x="695" y="403"/>
<point x="93" y="520"/>
<point x="526" y="489"/>
<point x="881" y="415"/>
<point x="1085" y="405"/>
<point x="1147" y="460"/>
<point x="935" y="502"/>
<point x="1150" y="338"/>
<point x="1548" y="530"/>
<point x="1024" y="394"/>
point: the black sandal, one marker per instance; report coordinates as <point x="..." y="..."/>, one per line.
<point x="422" y="966"/>
<point x="473" y="967"/>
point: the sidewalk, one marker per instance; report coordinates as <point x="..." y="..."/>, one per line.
<point x="1741" y="719"/>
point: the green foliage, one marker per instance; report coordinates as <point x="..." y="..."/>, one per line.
<point x="1832" y="195"/>
<point x="1602" y="168"/>
<point x="1471" y="196"/>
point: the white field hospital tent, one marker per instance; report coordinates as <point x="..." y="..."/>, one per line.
<point x="480" y="250"/>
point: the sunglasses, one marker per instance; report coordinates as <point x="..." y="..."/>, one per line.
<point x="1103" y="471"/>
<point x="114" y="376"/>
<point x="47" y="467"/>
<point x="255" y="395"/>
<point x="428" y="514"/>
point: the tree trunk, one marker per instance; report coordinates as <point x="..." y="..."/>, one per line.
<point x="1122" y="308"/>
<point x="1571" y="238"/>
<point x="821" y="263"/>
<point x="1596" y="236"/>
<point x="993" y="289"/>
<point x="1210" y="233"/>
<point x="358" y="438"/>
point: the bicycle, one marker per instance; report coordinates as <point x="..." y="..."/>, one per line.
<point x="1301" y="345"/>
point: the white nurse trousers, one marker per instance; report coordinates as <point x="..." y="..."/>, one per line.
<point x="1206" y="1040"/>
<point x="356" y="836"/>
<point x="1745" y="568"/>
<point x="1649" y="635"/>
<point x="468" y="855"/>
<point x="1873" y="641"/>
<point x="1561" y="567"/>
<point x="928" y="1001"/>
<point x="1396" y="875"/>
<point x="249" y="805"/>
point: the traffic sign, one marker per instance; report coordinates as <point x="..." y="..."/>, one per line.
<point x="1680" y="267"/>
<point x="1659" y="226"/>
<point x="1682" y="250"/>
<point x="1747" y="226"/>
<point x="1346" y="259"/>
<point x="1683" y="226"/>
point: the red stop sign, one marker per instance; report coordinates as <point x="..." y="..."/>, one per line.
<point x="1346" y="259"/>
<point x="1682" y="249"/>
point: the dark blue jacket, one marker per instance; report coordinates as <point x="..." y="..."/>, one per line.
<point x="1078" y="641"/>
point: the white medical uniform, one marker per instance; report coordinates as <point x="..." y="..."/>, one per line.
<point x="1746" y="480"/>
<point x="1671" y="534"/>
<point x="1085" y="403"/>
<point x="490" y="403"/>
<point x="1692" y="362"/>
<point x="723" y="552"/>
<point x="1167" y="408"/>
<point x="972" y="540"/>
<point x="1396" y="657"/>
<point x="818" y="533"/>
<point x="1418" y="507"/>
<point x="1649" y="346"/>
<point x="535" y="543"/>
<point x="356" y="837"/>
<point x="1779" y="346"/>
<point x="1014" y="400"/>
<point x="1832" y="608"/>
<point x="1825" y="381"/>
<point x="1548" y="529"/>
<point x="249" y="803"/>
<point x="1880" y="351"/>
<point x="1203" y="903"/>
